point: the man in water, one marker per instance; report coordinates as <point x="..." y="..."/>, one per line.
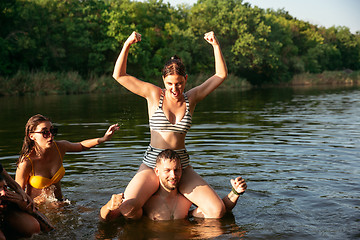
<point x="168" y="203"/>
<point x="18" y="215"/>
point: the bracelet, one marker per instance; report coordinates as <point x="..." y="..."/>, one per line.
<point x="235" y="192"/>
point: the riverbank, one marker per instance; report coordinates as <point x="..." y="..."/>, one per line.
<point x="49" y="83"/>
<point x="346" y="77"/>
<point x="45" y="83"/>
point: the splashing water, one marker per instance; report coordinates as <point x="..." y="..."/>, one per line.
<point x="48" y="196"/>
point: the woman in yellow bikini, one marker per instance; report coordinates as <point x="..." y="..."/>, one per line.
<point x="40" y="165"/>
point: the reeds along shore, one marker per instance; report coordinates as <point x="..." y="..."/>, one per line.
<point x="50" y="83"/>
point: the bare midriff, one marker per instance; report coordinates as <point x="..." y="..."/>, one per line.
<point x="167" y="140"/>
<point x="33" y="192"/>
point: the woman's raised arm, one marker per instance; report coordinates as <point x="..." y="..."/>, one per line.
<point x="131" y="83"/>
<point x="200" y="92"/>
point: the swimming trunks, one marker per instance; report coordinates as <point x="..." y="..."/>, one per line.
<point x="152" y="153"/>
<point x="159" y="122"/>
<point x="40" y="182"/>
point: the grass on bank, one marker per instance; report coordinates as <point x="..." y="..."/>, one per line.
<point x="48" y="83"/>
<point x="346" y="77"/>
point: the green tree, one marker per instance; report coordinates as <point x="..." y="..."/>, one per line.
<point x="264" y="46"/>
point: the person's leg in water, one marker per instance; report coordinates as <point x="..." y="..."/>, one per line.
<point x="141" y="187"/>
<point x="199" y="192"/>
<point x="21" y="224"/>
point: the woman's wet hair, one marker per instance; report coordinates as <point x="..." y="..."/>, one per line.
<point x="174" y="67"/>
<point x="30" y="127"/>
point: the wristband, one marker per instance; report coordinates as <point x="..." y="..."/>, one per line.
<point x="235" y="192"/>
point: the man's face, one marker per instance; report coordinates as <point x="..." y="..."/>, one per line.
<point x="169" y="173"/>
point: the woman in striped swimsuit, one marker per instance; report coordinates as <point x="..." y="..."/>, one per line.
<point x="170" y="112"/>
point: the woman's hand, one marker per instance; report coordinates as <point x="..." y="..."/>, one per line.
<point x="133" y="38"/>
<point x="210" y="38"/>
<point x="110" y="132"/>
<point x="89" y="143"/>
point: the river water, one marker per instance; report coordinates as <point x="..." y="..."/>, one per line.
<point x="298" y="150"/>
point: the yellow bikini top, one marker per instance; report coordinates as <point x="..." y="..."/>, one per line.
<point x="40" y="182"/>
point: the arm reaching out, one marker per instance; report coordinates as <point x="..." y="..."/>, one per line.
<point x="89" y="143"/>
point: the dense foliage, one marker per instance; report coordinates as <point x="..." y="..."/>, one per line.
<point x="264" y="46"/>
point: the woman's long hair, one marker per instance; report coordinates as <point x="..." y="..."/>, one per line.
<point x="30" y="127"/>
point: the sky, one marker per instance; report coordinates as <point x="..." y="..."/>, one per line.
<point x="325" y="13"/>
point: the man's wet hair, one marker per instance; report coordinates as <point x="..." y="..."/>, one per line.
<point x="168" y="154"/>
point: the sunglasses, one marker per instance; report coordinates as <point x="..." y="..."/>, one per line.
<point x="46" y="133"/>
